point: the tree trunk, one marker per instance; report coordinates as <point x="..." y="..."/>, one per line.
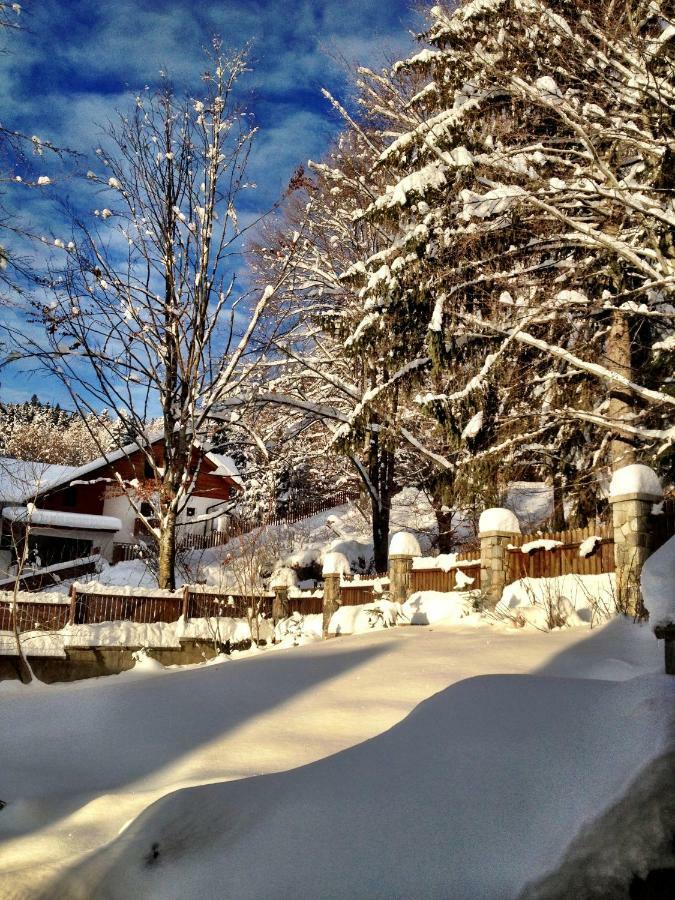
<point x="381" y="475"/>
<point x="166" y="576"/>
<point x="441" y="488"/>
<point x="558" y="518"/>
<point x="381" y="516"/>
<point x="621" y="403"/>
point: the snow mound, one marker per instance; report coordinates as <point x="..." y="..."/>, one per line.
<point x="498" y="519"/>
<point x="335" y="563"/>
<point x="297" y="629"/>
<point x="429" y="607"/>
<point x="588" y="547"/>
<point x="566" y="600"/>
<point x="284" y="576"/>
<point x="658" y="592"/>
<point x="494" y="776"/>
<point x="635" y="479"/>
<point x="404" y="543"/>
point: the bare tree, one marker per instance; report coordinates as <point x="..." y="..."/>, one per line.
<point x="145" y="318"/>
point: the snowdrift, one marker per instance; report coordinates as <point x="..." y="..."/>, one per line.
<point x="477" y="793"/>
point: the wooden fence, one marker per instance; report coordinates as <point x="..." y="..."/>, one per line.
<point x="307" y="604"/>
<point x="435" y="579"/>
<point x="35" y="616"/>
<point x="563" y="559"/>
<point x="354" y="593"/>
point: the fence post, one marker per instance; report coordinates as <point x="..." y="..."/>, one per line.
<point x="73" y="603"/>
<point x="633" y="491"/>
<point x="496" y="528"/>
<point x="280" y="603"/>
<point x="334" y="566"/>
<point x="186" y="603"/>
<point x="402" y="548"/>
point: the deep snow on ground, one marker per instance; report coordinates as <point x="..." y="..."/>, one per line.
<point x="398" y="773"/>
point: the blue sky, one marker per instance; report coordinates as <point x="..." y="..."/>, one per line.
<point x="76" y="63"/>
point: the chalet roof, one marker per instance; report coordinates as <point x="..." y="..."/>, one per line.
<point x="58" y="519"/>
<point x="226" y="467"/>
<point x="98" y="463"/>
<point x="21" y="480"/>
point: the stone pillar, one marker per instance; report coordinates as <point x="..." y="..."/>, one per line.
<point x="331" y="599"/>
<point x="399" y="577"/>
<point x="280" y="608"/>
<point x="633" y="533"/>
<point x="402" y="549"/>
<point x="497" y="529"/>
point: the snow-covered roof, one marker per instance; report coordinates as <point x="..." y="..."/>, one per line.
<point x="21" y="479"/>
<point x="59" y="519"/>
<point x="225" y="466"/>
<point x="98" y="463"/>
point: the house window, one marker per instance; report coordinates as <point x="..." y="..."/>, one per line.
<point x="146" y="509"/>
<point x="148" y="470"/>
<point x="189" y="512"/>
<point x="70" y="497"/>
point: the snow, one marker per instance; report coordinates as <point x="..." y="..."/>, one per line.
<point x="126" y="590"/>
<point x="336" y="564"/>
<point x="403" y="543"/>
<point x="34" y="597"/>
<point x="588" y="546"/>
<point x="658" y="585"/>
<point x="579" y="600"/>
<point x="497" y="519"/>
<point x="473" y="426"/>
<point x="133" y="634"/>
<point x="284" y="577"/>
<point x="444" y="561"/>
<point x="57" y="519"/>
<point x="225" y="466"/>
<point x="429" y="607"/>
<point x="635" y="479"/>
<point x="33" y="643"/>
<point x="20" y="480"/>
<point x="540" y="544"/>
<point x="491" y="749"/>
<point x="462" y="580"/>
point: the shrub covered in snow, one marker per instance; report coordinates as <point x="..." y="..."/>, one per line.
<point x="567" y="600"/>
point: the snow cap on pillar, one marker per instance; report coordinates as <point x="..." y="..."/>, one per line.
<point x="635" y="479"/>
<point x="404" y="543"/>
<point x="335" y="563"/>
<point x="498" y="519"/>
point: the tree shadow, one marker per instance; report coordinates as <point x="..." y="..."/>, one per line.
<point x="64" y="746"/>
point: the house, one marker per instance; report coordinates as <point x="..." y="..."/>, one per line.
<point x="74" y="512"/>
<point x="20" y="482"/>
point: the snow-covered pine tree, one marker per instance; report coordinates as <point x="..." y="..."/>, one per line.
<point x="318" y="374"/>
<point x="533" y="206"/>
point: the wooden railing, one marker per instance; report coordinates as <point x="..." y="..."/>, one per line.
<point x="51" y="575"/>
